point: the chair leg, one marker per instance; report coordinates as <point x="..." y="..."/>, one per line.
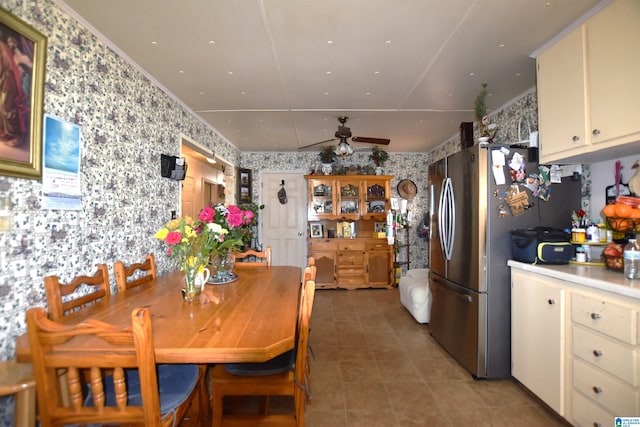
<point x="203" y="394"/>
<point x="217" y="408"/>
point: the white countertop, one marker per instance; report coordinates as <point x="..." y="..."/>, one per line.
<point x="592" y="277"/>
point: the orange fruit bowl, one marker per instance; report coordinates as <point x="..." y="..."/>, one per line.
<point x="624" y="224"/>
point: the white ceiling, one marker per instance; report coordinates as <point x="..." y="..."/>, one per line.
<point x="274" y="75"/>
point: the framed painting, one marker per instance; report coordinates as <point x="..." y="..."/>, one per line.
<point x="22" y="66"/>
<point x="316" y="230"/>
<point x="244" y="185"/>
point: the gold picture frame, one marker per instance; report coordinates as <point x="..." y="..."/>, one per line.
<point x="23" y="52"/>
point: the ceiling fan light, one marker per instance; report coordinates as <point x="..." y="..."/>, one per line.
<point x="343" y="149"/>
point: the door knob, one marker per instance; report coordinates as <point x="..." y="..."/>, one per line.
<point x="299" y="233"/>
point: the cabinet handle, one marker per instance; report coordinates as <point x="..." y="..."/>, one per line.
<point x="575" y="138"/>
<point x="596" y="132"/>
<point x="597" y="390"/>
<point x="597" y="353"/>
<point x="596" y="316"/>
<point x="551" y="301"/>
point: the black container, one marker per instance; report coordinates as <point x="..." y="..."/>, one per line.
<point x="541" y="245"/>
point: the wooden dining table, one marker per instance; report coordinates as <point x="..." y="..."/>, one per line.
<point x="252" y="319"/>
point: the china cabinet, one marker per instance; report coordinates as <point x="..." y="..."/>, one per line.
<point x="350" y="254"/>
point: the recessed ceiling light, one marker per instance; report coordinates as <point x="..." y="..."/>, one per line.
<point x="329" y="41"/>
<point x="388" y="42"/>
<point x="201" y="93"/>
<point x="547" y="4"/>
<point x="212" y="42"/>
<point x="230" y="73"/>
<point x="517" y="74"/>
<point x="472" y="74"/>
<point x="450" y="94"/>
<point x="243" y="93"/>
<point x="501" y="45"/>
<point x="181" y="71"/>
<point x="376" y="72"/>
<point x="154" y="43"/>
<point x="326" y="93"/>
<point x="368" y="93"/>
<point x="329" y="72"/>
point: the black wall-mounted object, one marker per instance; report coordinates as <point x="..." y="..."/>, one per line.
<point x="466" y="134"/>
<point x="173" y="167"/>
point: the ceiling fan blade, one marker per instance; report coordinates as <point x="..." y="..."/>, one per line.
<point x="380" y="141"/>
<point x="316" y="143"/>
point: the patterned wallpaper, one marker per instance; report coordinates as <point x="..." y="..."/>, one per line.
<point x="127" y="122"/>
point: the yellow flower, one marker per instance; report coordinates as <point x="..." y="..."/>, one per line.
<point x="162" y="233"/>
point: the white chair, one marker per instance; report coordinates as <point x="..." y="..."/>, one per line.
<point x="415" y="294"/>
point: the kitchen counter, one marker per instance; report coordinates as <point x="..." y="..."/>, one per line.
<point x="590" y="277"/>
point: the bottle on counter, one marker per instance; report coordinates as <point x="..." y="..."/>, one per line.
<point x="632" y="260"/>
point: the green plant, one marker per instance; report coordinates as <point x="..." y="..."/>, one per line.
<point x="327" y="154"/>
<point x="379" y="156"/>
<point x="486" y="129"/>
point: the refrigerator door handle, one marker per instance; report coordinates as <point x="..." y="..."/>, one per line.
<point x="442" y="231"/>
<point x="432" y="207"/>
<point x="449" y="217"/>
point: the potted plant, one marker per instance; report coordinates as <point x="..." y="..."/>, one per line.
<point x="379" y="156"/>
<point x="327" y="157"/>
<point x="487" y="130"/>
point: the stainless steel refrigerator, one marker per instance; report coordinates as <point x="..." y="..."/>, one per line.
<point x="470" y="244"/>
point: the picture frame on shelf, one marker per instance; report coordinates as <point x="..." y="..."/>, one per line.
<point x="244" y="185"/>
<point x="316" y="230"/>
<point x="379" y="227"/>
<point x="21" y="140"/>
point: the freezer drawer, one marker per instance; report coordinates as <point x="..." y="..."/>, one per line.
<point x="454" y="322"/>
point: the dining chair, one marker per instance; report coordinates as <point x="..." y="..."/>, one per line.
<point x="263" y="258"/>
<point x="137" y="390"/>
<point x="310" y="270"/>
<point x="17" y="379"/>
<point x="136" y="274"/>
<point x="55" y="292"/>
<point x="285" y="375"/>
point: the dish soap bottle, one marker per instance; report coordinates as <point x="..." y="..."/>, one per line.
<point x="632" y="260"/>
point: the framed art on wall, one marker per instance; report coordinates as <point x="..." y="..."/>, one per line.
<point x="244" y="185"/>
<point x="22" y="65"/>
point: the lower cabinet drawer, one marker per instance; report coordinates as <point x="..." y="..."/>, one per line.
<point x="351" y="280"/>
<point x="606" y="317"/>
<point x="351" y="258"/>
<point x="611" y="393"/>
<point x="614" y="357"/>
<point x="587" y="413"/>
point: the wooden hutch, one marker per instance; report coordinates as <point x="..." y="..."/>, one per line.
<point x="346" y="216"/>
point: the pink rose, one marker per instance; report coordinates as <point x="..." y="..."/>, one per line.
<point x="248" y="217"/>
<point x="207" y="214"/>
<point x="173" y="238"/>
<point x="234" y="219"/>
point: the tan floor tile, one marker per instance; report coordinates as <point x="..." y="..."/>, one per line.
<point x="455" y="394"/>
<point x="366" y="397"/>
<point x="398" y="370"/>
<point x="370" y="419"/>
<point x="327" y="396"/>
<point x="360" y="372"/>
<point x="325" y="418"/>
<point x="527" y="416"/>
<point x="438" y="369"/>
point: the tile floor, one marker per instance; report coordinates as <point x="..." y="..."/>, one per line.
<point x="375" y="366"/>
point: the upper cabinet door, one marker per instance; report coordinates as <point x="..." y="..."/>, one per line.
<point x="349" y="199"/>
<point x="613" y="73"/>
<point x="322" y="199"/>
<point x="561" y="98"/>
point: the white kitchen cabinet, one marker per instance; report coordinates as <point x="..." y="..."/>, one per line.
<point x="538" y="337"/>
<point x="588" y="88"/>
<point x="581" y="354"/>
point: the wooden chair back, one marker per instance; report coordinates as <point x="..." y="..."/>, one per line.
<point x="55" y="292"/>
<point x="310" y="270"/>
<point x="263" y="258"/>
<point x="136" y="274"/>
<point x="117" y="348"/>
<point x="294" y="382"/>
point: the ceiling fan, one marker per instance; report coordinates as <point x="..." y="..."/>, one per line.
<point x="343" y="134"/>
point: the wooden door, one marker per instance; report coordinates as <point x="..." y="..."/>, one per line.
<point x="283" y="226"/>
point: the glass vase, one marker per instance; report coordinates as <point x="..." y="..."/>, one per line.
<point x="193" y="283"/>
<point x="222" y="265"/>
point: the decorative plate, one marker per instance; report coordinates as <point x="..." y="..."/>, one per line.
<point x="215" y="281"/>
